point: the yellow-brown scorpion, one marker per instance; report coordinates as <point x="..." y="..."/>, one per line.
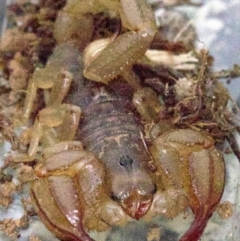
<point x="103" y="173"/>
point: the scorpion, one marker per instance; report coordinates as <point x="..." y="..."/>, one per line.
<point x="103" y="173"/>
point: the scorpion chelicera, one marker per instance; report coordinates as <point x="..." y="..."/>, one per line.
<point x="104" y="173"/>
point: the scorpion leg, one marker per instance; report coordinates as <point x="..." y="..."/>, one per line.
<point x="147" y="104"/>
<point x="57" y="122"/>
<point x="56" y="76"/>
<point x="46" y="78"/>
<point x="43" y="131"/>
<point x="54" y="116"/>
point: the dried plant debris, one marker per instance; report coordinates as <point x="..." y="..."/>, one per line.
<point x="6" y="190"/>
<point x="193" y="98"/>
<point x="27" y="44"/>
<point x="229" y="73"/>
<point x="225" y="209"/>
<point x="176" y="33"/>
<point x="154" y="234"/>
<point x="34" y="238"/>
<point x="11" y="227"/>
<point x="189" y="92"/>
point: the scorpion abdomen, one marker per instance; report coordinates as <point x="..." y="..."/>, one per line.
<point x="107" y="116"/>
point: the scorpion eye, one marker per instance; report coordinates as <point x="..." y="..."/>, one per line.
<point x="126" y="162"/>
<point x="114" y="197"/>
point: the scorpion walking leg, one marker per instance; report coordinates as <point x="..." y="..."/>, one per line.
<point x="57" y="122"/>
<point x="46" y="78"/>
<point x="65" y="117"/>
<point x="51" y="117"/>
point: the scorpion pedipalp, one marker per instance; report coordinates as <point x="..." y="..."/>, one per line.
<point x="189" y="161"/>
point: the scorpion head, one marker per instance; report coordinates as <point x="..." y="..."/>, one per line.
<point x="133" y="189"/>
